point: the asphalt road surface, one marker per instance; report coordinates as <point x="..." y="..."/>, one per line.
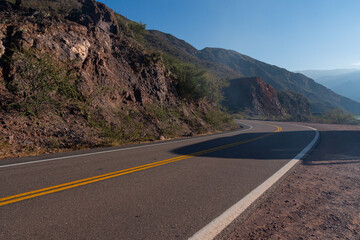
<point x="167" y="190"/>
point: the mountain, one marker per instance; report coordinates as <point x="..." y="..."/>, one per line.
<point x="349" y="88"/>
<point x="229" y="64"/>
<point x="344" y="81"/>
<point x="182" y="50"/>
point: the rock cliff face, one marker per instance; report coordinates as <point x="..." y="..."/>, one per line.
<point x="77" y="80"/>
<point x="254" y="97"/>
<point x="100" y="55"/>
<point x="295" y="104"/>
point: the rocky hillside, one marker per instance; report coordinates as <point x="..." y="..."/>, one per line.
<point x="252" y="96"/>
<point x="229" y="64"/>
<point x="73" y="75"/>
<point x="296" y="105"/>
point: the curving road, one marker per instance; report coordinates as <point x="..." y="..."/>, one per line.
<point x="167" y="190"/>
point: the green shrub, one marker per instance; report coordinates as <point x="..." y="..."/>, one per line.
<point x="42" y="80"/>
<point x="172" y="130"/>
<point x="138" y="28"/>
<point x="131" y="29"/>
<point x="59" y="8"/>
<point x="194" y="83"/>
<point x="158" y="112"/>
<point x="162" y="113"/>
<point x="218" y="118"/>
<point x="128" y="129"/>
<point x="152" y="58"/>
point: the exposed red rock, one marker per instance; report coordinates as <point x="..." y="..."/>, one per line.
<point x="253" y="96"/>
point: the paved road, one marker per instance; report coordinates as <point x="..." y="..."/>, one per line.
<point x="158" y="191"/>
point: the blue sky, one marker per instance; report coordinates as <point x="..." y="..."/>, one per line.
<point x="294" y="34"/>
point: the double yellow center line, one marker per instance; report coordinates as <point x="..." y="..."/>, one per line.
<point x="81" y="182"/>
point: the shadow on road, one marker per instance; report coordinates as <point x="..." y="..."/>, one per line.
<point x="283" y="145"/>
<point x="334" y="147"/>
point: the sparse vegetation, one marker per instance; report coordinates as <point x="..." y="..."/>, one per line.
<point x="58" y="8"/>
<point x="168" y="120"/>
<point x="335" y="116"/>
<point x="132" y="29"/>
<point x="88" y="100"/>
<point x="5" y="148"/>
<point x="153" y="58"/>
<point x="163" y="113"/>
<point x="129" y="128"/>
<point x="42" y="81"/>
<point x="194" y="83"/>
<point x="217" y="118"/>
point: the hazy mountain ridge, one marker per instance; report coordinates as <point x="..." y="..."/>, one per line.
<point x="317" y="74"/>
<point x="342" y="81"/>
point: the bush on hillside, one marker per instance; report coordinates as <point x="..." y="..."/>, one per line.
<point x="42" y="80"/>
<point x="60" y="8"/>
<point x="131" y="29"/>
<point x="217" y="118"/>
<point x="194" y="83"/>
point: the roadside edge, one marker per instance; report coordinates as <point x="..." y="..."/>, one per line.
<point x="84" y="153"/>
<point x="239" y="211"/>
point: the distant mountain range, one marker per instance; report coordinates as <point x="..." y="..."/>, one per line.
<point x="342" y="81"/>
<point x="318" y="74"/>
<point x="229" y="64"/>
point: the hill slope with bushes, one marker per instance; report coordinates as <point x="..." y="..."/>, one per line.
<point x="74" y="74"/>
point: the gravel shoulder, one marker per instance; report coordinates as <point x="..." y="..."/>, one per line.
<point x="320" y="200"/>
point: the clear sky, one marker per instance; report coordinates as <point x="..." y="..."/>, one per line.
<point x="294" y="34"/>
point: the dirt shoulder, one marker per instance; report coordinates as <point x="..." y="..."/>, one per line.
<point x="320" y="200"/>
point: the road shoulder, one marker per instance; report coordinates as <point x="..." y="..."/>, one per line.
<point x="320" y="200"/>
<point x="220" y="226"/>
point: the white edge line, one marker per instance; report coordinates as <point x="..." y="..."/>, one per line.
<point x="250" y="127"/>
<point x="121" y="149"/>
<point x="216" y="226"/>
